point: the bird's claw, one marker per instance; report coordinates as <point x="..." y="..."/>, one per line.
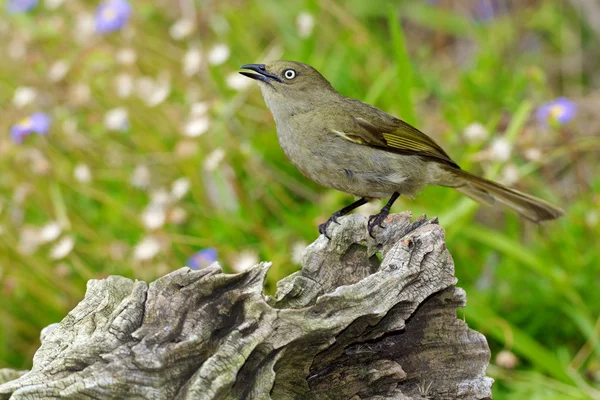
<point x="376" y="220"/>
<point x="323" y="227"/>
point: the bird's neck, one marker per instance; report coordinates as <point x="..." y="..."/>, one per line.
<point x="283" y="108"/>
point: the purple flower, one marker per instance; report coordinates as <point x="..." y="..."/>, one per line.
<point x="112" y="15"/>
<point x="38" y="123"/>
<point x="486" y="10"/>
<point x="557" y="112"/>
<point x="202" y="258"/>
<point x="20" y="6"/>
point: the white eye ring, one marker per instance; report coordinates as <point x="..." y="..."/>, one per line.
<point x="289" y="74"/>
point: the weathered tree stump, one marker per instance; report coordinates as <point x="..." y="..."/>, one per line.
<point x="364" y="319"/>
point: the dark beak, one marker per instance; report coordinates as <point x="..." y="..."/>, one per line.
<point x="261" y="73"/>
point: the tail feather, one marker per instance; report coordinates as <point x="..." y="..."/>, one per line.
<point x="488" y="192"/>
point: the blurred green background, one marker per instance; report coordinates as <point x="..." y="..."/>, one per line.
<point x="158" y="149"/>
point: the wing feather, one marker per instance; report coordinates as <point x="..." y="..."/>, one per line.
<point x="396" y="137"/>
<point x="353" y="138"/>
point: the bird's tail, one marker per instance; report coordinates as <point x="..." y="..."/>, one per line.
<point x="487" y="192"/>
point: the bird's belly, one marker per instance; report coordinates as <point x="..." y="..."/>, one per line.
<point x="356" y="169"/>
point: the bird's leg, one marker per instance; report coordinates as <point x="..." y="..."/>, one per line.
<point x="377" y="220"/>
<point x="335" y="215"/>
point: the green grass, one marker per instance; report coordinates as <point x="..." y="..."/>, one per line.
<point x="532" y="290"/>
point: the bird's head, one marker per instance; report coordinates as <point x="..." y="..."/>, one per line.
<point x="290" y="86"/>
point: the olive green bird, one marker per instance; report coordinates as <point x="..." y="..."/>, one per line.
<point x="348" y="145"/>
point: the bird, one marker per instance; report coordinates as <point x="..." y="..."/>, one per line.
<point x="344" y="144"/>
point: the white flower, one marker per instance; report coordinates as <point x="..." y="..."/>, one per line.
<point x="39" y="163"/>
<point x="177" y="216"/>
<point x="140" y="177"/>
<point x="179" y="188"/>
<point x="475" y="133"/>
<point x="219" y="183"/>
<point x="186" y="148"/>
<point x="53" y="4"/>
<point x="146" y="249"/>
<point x="124" y="85"/>
<point x="213" y="160"/>
<point x="28" y="240"/>
<point x="237" y="81"/>
<point x="58" y="70"/>
<point x="23" y="96"/>
<point x="22" y="191"/>
<point x="117" y="250"/>
<point x="192" y="61"/>
<point x="298" y="251"/>
<point x="49" y="232"/>
<point x="126" y="56"/>
<point x="154" y="216"/>
<point x="62" y="248"/>
<point x="85" y="27"/>
<point x="62" y="270"/>
<point x="160" y="197"/>
<point x="80" y="94"/>
<point x="244" y="260"/>
<point x="199" y="109"/>
<point x="218" y="54"/>
<point x="182" y="28"/>
<point x="500" y="149"/>
<point x="116" y="119"/>
<point x="196" y="127"/>
<point x="305" y="23"/>
<point x="533" y="154"/>
<point x="506" y="359"/>
<point x="82" y="173"/>
<point x="161" y="90"/>
<point x="154" y="92"/>
<point x="592" y="218"/>
<point x="510" y="174"/>
<point x="144" y="87"/>
<point x="17" y="48"/>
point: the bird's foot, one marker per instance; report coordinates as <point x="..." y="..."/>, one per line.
<point x="377" y="220"/>
<point x="323" y="227"/>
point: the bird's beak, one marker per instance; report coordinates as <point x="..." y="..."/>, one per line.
<point x="261" y="73"/>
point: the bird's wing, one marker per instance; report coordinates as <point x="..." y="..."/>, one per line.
<point x="395" y="136"/>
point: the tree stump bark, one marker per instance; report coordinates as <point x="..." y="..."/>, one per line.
<point x="363" y="319"/>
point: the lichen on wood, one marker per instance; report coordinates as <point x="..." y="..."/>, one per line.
<point x="363" y="319"/>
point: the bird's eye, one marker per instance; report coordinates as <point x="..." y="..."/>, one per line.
<point x="289" y="74"/>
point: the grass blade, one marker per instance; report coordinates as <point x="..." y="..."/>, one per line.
<point x="403" y="68"/>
